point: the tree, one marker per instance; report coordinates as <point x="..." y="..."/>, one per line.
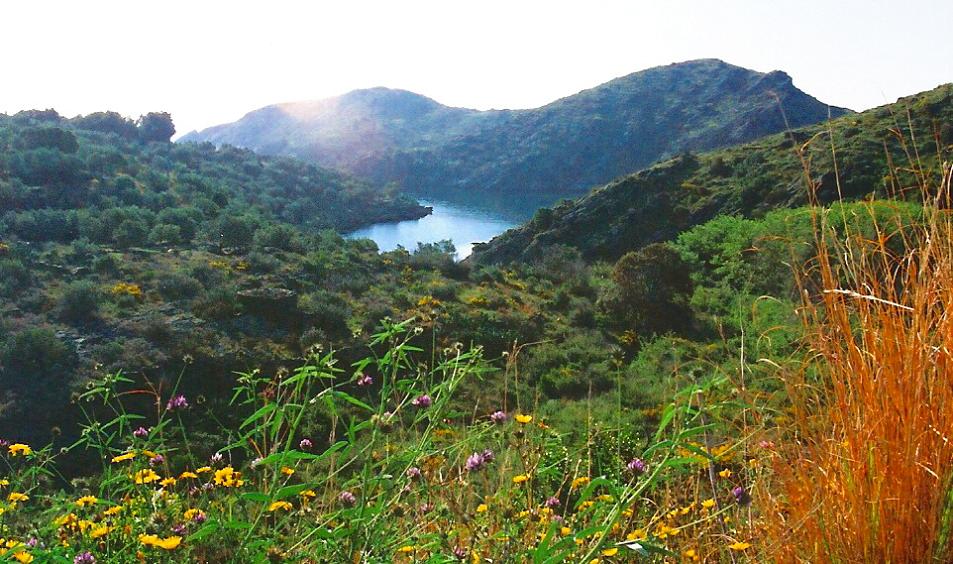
<point x="156" y="127"/>
<point x="107" y="122"/>
<point x="47" y="138"/>
<point x="651" y="290"/>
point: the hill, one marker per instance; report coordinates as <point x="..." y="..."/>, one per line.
<point x="657" y="203"/>
<point x="571" y="144"/>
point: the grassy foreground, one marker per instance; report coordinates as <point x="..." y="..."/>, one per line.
<point x="852" y="463"/>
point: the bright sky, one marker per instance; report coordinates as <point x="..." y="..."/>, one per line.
<point x="210" y="61"/>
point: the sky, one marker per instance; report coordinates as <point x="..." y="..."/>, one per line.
<point x="208" y="62"/>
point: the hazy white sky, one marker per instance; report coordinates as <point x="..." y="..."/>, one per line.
<point x="209" y="62"/>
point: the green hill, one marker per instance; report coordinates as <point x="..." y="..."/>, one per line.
<point x="571" y="144"/>
<point x="657" y="203"/>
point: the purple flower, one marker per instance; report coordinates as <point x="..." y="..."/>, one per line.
<point x="179" y="529"/>
<point x="305" y="444"/>
<point x="460" y="552"/>
<point x="498" y="417"/>
<point x="140" y="433"/>
<point x="422" y="401"/>
<point x="347" y="498"/>
<point x="216" y="458"/>
<point x="475" y="462"/>
<point x="84" y="558"/>
<point x="199" y="518"/>
<point x="365" y="381"/>
<point x="636" y="465"/>
<point x="552" y="502"/>
<point x="488" y="455"/>
<point x="177" y="402"/>
<point x="156" y="460"/>
<point x="413" y="473"/>
<point x="426" y="508"/>
<point x="741" y="496"/>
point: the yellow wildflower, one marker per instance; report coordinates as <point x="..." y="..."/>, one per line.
<point x="191" y="514"/>
<point x="406" y="549"/>
<point x="168" y="543"/>
<point x="739" y="545"/>
<point x="99" y="531"/>
<point x="482" y="508"/>
<point x="19" y="449"/>
<point x="610" y="551"/>
<point x="282" y="505"/>
<point x="203" y="469"/>
<point x="146" y="476"/>
<point x="726" y="473"/>
<point x="15" y="497"/>
<point x="4" y="482"/>
<point x="23" y="557"/>
<point x="114" y="510"/>
<point x="166" y="482"/>
<point x="636" y="535"/>
<point x="520" y="479"/>
<point x="228" y="477"/>
<point x="691" y="554"/>
<point x="521" y="418"/>
<point x="287" y="471"/>
<point x="580" y="481"/>
<point x="708" y="503"/>
<point x="308" y="494"/>
<point x="188" y="474"/>
<point x="123" y="457"/>
<point x="86" y="500"/>
<point x="149" y="454"/>
<point x="565" y="531"/>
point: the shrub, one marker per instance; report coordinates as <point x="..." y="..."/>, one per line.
<point x="79" y="302"/>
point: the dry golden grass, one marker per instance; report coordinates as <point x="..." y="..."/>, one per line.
<point x="868" y="464"/>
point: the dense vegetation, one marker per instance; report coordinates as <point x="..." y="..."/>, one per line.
<point x="253" y="387"/>
<point x="658" y="203"/>
<point x="568" y="145"/>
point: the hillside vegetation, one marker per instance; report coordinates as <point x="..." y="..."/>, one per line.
<point x="748" y="180"/>
<point x="569" y="145"/>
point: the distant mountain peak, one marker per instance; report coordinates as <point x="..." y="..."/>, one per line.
<point x="392" y="135"/>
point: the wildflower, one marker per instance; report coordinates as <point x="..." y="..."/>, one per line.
<point x="636" y="535"/>
<point x="741" y="496"/>
<point x="140" y="433"/>
<point x="460" y="552"/>
<point x="482" y="508"/>
<point x="498" y="417"/>
<point x="216" y="458"/>
<point x="187" y="474"/>
<point x="364" y="380"/>
<point x="146" y="476"/>
<point x="84" y="558"/>
<point x="347" y="498"/>
<point x="228" y="478"/>
<point x="287" y="471"/>
<point x="123" y="457"/>
<point x="406" y="549"/>
<point x="305" y="444"/>
<point x="179" y="529"/>
<point x="114" y="510"/>
<point x="256" y="462"/>
<point x="4" y="482"/>
<point x="610" y="551"/>
<point x="422" y="401"/>
<point x="726" y="473"/>
<point x="86" y="500"/>
<point x="16" y="497"/>
<point x="279" y="505"/>
<point x="708" y="503"/>
<point x="636" y="466"/>
<point x="413" y="473"/>
<point x="738" y="545"/>
<point x="19" y="449"/>
<point x="551" y="502"/>
<point x="520" y="479"/>
<point x="475" y="462"/>
<point x="426" y="508"/>
<point x="167" y="482"/>
<point x="99" y="531"/>
<point x="166" y="544"/>
<point x="156" y="460"/>
<point x="23" y="557"/>
<point x="578" y="482"/>
<point x="203" y="469"/>
<point x="691" y="554"/>
<point x="308" y="494"/>
<point x="488" y="455"/>
<point x="523" y="419"/>
<point x="176" y="402"/>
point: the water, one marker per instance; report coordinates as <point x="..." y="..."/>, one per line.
<point x="464" y="221"/>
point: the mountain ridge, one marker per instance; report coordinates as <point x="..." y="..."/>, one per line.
<point x="577" y="141"/>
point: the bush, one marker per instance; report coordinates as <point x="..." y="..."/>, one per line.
<point x="80" y="302"/>
<point x="176" y="286"/>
